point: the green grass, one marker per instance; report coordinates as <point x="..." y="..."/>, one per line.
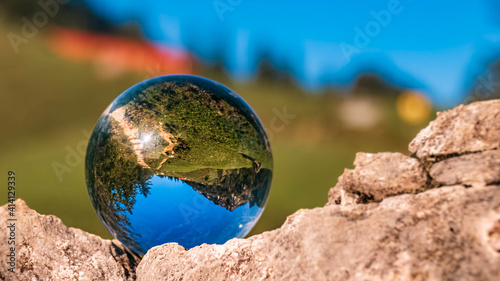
<point x="47" y="102"/>
<point x="211" y="133"/>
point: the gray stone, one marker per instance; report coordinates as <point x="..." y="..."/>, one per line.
<point x="464" y="129"/>
<point x="46" y="249"/>
<point x="470" y="169"/>
<point x="377" y="176"/>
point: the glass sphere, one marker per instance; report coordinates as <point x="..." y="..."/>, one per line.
<point x="178" y="158"/>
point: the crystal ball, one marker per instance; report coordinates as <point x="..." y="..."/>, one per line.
<point x="178" y="158"/>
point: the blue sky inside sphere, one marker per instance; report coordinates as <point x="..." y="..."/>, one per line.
<point x="174" y="212"/>
<point x="437" y="47"/>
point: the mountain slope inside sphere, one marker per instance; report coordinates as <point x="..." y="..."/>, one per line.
<point x="180" y="130"/>
<point x="233" y="187"/>
<point x="209" y="131"/>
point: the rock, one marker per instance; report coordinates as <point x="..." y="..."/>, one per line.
<point x="377" y="176"/>
<point x="46" y="249"/>
<point x="385" y="220"/>
<point x="432" y="216"/>
<point x="339" y="196"/>
<point x="470" y="169"/>
<point x="494" y="236"/>
<point x="464" y="129"/>
<point x="440" y="234"/>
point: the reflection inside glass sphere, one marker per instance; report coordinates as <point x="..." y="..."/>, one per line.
<point x="178" y="159"/>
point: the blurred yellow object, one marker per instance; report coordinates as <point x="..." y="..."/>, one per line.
<point x="413" y="107"/>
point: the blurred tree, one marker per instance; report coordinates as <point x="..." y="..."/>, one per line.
<point x="75" y="14"/>
<point x="371" y="83"/>
<point x="486" y="86"/>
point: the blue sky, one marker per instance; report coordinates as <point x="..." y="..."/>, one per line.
<point x="438" y="47"/>
<point x="174" y="212"/>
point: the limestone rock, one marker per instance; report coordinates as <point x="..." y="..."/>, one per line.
<point x="469" y="169"/>
<point x="386" y="219"/>
<point x="377" y="176"/>
<point x="494" y="236"/>
<point x="432" y="216"/>
<point x="441" y="234"/>
<point x="464" y="129"/>
<point x="46" y="249"/>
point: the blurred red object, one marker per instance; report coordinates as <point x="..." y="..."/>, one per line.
<point x="119" y="53"/>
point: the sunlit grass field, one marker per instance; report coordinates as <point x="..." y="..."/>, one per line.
<point x="49" y="106"/>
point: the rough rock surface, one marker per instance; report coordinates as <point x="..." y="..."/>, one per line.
<point x="432" y="216"/>
<point x="470" y="169"/>
<point x="441" y="234"/>
<point x="387" y="219"/>
<point x="464" y="129"/>
<point x="494" y="236"/>
<point x="377" y="176"/>
<point x="46" y="249"/>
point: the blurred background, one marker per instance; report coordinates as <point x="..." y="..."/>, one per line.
<point x="327" y="78"/>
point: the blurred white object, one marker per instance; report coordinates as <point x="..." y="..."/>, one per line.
<point x="359" y="113"/>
